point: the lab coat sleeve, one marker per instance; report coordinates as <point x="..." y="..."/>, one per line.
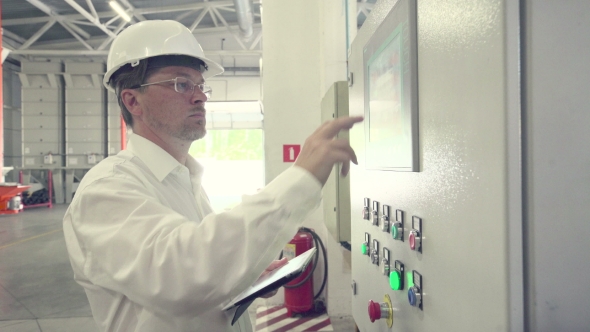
<point x="131" y="243"/>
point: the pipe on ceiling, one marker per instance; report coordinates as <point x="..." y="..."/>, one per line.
<point x="245" y="18"/>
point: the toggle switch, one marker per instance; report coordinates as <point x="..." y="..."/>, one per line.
<point x="381" y="310"/>
<point x="375" y="213"/>
<point x="415" y="237"/>
<point x="365" y="245"/>
<point x="385" y="266"/>
<point x="397" y="229"/>
<point x="415" y="292"/>
<point x="396" y="277"/>
<point x="385" y="218"/>
<point x="375" y="253"/>
<point x="366" y="212"/>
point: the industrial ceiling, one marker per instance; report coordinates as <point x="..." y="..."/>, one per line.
<point x="230" y="31"/>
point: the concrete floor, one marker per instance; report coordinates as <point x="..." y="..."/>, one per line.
<point x="37" y="289"/>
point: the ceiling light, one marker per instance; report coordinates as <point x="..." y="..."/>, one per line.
<point x="117" y="7"/>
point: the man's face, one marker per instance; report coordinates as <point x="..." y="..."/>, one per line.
<point x="174" y="114"/>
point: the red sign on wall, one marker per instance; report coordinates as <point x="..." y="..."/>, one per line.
<point x="290" y="153"/>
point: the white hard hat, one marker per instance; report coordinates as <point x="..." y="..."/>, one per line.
<point x="153" y="38"/>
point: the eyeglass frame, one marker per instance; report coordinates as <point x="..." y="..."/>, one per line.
<point x="202" y="86"/>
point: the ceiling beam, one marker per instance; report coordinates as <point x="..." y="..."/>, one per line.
<point x="37" y="34"/>
<point x="92" y="9"/>
<point x="198" y="20"/>
<point x="109" y="14"/>
<point x="13" y="36"/>
<point x="134" y="11"/>
<point x="104" y="53"/>
<point x="89" y="17"/>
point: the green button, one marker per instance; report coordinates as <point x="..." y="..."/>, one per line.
<point x="395" y="280"/>
<point x="394" y="232"/>
<point x="410" y="278"/>
<point x="364" y="249"/>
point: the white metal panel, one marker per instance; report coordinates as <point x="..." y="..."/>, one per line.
<point x="114" y="121"/>
<point x="84" y="122"/>
<point x="40" y="95"/>
<point x="114" y="147"/>
<point x="557" y="159"/>
<point x="84" y="135"/>
<point x="74" y="148"/>
<point x="41" y="81"/>
<point x="40" y="135"/>
<point x="41" y="67"/>
<point x="44" y="108"/>
<point x="40" y="122"/>
<point x="111" y="97"/>
<point x="336" y="190"/>
<point x="235" y="88"/>
<point x="219" y="90"/>
<point x="81" y="108"/>
<point x="80" y="81"/>
<point x="39" y="148"/>
<point x="38" y="162"/>
<point x="78" y="161"/>
<point x="114" y="135"/>
<point x="113" y="108"/>
<point x="84" y="68"/>
<point x="84" y="95"/>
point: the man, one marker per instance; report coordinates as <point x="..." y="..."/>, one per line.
<point x="142" y="238"/>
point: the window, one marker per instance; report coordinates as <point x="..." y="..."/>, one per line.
<point x="234" y="164"/>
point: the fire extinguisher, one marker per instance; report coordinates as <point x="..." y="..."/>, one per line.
<point x="299" y="297"/>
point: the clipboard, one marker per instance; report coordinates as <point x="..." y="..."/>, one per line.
<point x="277" y="278"/>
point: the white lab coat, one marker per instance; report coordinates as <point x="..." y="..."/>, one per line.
<point x="150" y="253"/>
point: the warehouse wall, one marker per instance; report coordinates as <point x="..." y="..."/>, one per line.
<point x="12" y="115"/>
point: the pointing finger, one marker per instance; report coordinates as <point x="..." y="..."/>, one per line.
<point x="332" y="128"/>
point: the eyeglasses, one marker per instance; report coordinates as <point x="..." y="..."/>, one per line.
<point x="185" y="86"/>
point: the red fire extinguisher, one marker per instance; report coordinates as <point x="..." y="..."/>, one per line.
<point x="299" y="292"/>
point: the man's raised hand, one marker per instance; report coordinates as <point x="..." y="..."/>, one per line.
<point x="321" y="150"/>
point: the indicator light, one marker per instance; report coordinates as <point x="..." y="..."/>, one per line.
<point x="395" y="280"/>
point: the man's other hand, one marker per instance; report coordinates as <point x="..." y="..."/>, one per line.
<point x="273" y="266"/>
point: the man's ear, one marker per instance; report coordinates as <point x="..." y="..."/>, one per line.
<point x="129" y="97"/>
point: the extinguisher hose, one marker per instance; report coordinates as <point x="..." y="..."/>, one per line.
<point x="318" y="243"/>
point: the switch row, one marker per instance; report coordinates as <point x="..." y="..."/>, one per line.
<point x="395" y="274"/>
<point x="397" y="228"/>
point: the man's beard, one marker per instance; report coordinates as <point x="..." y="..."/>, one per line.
<point x="185" y="133"/>
<point x="189" y="134"/>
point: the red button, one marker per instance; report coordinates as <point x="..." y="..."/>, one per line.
<point x="374" y="311"/>
<point x="412" y="239"/>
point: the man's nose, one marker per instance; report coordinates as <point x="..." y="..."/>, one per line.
<point x="198" y="95"/>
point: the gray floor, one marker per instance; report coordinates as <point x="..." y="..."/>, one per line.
<point x="37" y="290"/>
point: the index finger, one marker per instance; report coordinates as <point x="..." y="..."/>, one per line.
<point x="335" y="126"/>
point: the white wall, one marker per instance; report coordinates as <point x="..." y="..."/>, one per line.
<point x="12" y="118"/>
<point x="304" y="53"/>
<point x="290" y="85"/>
<point x="557" y="163"/>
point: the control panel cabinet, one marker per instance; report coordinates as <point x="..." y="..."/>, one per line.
<point x="429" y="233"/>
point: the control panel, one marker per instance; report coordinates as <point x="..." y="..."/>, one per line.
<point x="435" y="202"/>
<point x="385" y="243"/>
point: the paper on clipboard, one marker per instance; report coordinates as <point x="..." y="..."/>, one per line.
<point x="270" y="282"/>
